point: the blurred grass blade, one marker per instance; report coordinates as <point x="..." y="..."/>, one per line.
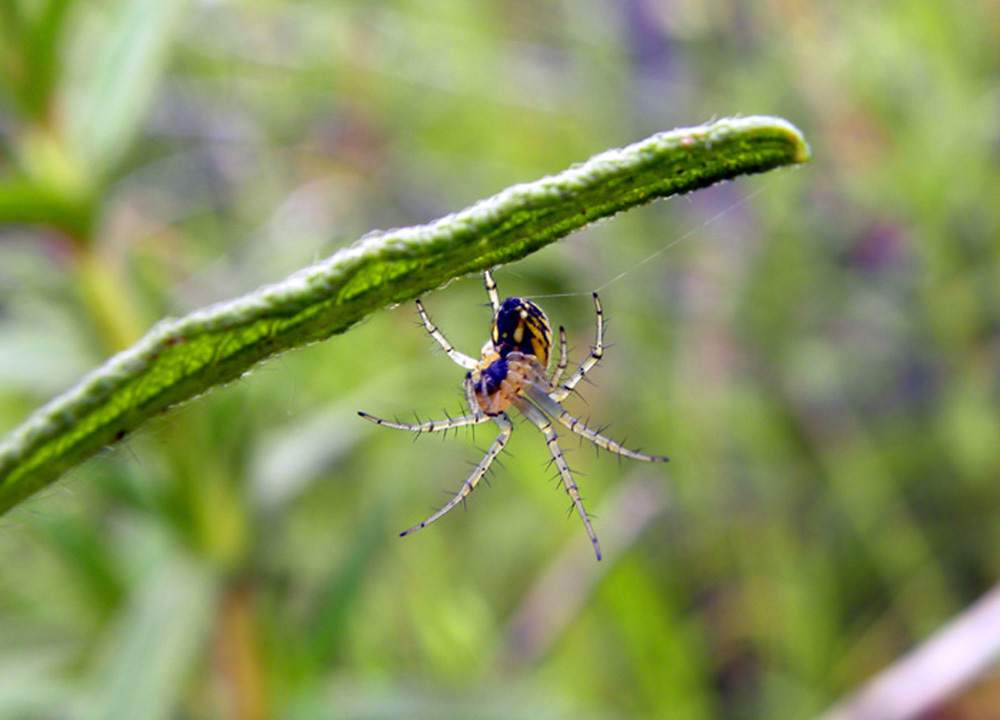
<point x="42" y="55"/>
<point x="160" y="638"/>
<point x="124" y="76"/>
<point x="929" y="675"/>
<point x="180" y="359"/>
<point x="26" y="201"/>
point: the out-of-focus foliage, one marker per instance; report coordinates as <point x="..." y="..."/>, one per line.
<point x="820" y="357"/>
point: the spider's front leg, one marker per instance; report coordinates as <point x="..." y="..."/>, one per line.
<point x="596" y="353"/>
<point x="491" y="291"/>
<point x="563" y="361"/>
<point x="459" y="358"/>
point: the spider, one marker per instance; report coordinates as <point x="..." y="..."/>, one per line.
<point x="514" y="372"/>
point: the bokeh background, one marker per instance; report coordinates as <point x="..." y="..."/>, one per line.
<point x="818" y="351"/>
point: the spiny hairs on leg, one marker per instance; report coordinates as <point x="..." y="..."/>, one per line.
<point x="457" y="357"/>
<point x="470" y="484"/>
<point x="563" y="362"/>
<point x="605" y="443"/>
<point x="596" y="353"/>
<point x="540" y="421"/>
<point x="491" y="290"/>
<point x="552" y="408"/>
<point x="430" y="425"/>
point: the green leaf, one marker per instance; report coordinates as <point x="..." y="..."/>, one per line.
<point x="180" y="359"/>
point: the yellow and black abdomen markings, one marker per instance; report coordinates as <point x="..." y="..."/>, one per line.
<point x="521" y="326"/>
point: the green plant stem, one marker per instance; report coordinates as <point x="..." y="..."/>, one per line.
<point x="179" y="359"/>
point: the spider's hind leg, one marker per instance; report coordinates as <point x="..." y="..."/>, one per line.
<point x="470" y="484"/>
<point x="540" y="421"/>
<point x="430" y="425"/>
<point x="551" y="407"/>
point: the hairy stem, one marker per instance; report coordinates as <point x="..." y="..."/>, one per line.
<point x="179" y="359"/>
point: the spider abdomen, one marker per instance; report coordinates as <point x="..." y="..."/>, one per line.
<point x="521" y="326"/>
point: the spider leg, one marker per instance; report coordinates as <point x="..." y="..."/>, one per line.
<point x="469" y="485"/>
<point x="470" y="396"/>
<point x="551" y="407"/>
<point x="587" y="365"/>
<point x="491" y="291"/>
<point x="459" y="358"/>
<point x="430" y="425"/>
<point x="540" y="421"/>
<point x="563" y="362"/>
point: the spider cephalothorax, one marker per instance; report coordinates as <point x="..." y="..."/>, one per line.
<point x="520" y="346"/>
<point x="514" y="372"/>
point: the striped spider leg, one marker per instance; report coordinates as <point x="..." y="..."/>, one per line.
<point x="514" y="372"/>
<point x="596" y="353"/>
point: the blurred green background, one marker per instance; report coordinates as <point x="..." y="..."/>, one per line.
<point x="819" y="356"/>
